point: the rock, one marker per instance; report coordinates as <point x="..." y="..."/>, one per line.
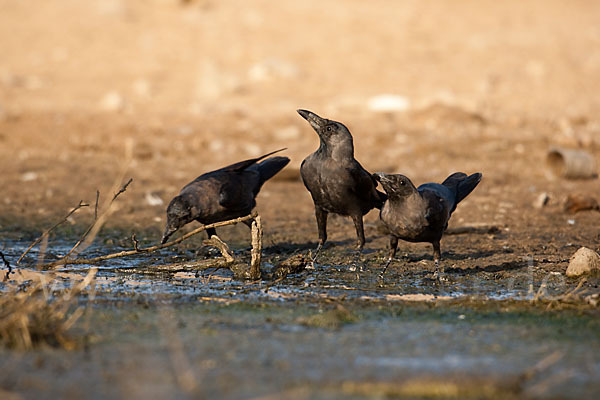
<point x="580" y="202"/>
<point x="388" y="103"/>
<point x="541" y="201"/>
<point x="584" y="261"/>
<point x="292" y="265"/>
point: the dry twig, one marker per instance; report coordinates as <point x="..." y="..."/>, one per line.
<point x="94" y="260"/>
<point x="96" y="206"/>
<point x="221" y="245"/>
<point x="47" y="231"/>
<point x="102" y="216"/>
<point x="136" y="244"/>
<point x="257" y="234"/>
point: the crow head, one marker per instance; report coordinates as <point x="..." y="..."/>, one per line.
<point x="179" y="213"/>
<point x="395" y="186"/>
<point x="335" y="137"/>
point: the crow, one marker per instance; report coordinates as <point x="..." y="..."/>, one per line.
<point x="421" y="214"/>
<point x="336" y="181"/>
<point x="223" y="194"/>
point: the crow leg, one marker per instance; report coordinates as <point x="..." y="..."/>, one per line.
<point x="437" y="255"/>
<point x="211" y="232"/>
<point x="392" y="254"/>
<point x="322" y="227"/>
<point x="360" y="231"/>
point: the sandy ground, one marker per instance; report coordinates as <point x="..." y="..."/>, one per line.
<point x="94" y="93"/>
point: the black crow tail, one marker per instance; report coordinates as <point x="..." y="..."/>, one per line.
<point x="461" y="184"/>
<point x="270" y="167"/>
<point x="242" y="165"/>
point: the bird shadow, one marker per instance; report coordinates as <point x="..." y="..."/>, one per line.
<point x="505" y="266"/>
<point x="346" y="245"/>
<point x="450" y="255"/>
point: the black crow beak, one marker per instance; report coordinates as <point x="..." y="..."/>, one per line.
<point x="168" y="232"/>
<point x="379" y="176"/>
<point x="313" y="119"/>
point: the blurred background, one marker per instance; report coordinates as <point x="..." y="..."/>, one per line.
<point x="426" y="87"/>
<point x="209" y="56"/>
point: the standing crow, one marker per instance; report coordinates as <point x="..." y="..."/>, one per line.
<point x="223" y="194"/>
<point x="336" y="181"/>
<point x="421" y="215"/>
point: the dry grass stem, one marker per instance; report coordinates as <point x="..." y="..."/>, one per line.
<point x="7" y="264"/>
<point x="47" y="231"/>
<point x="98" y="222"/>
<point x="32" y="316"/>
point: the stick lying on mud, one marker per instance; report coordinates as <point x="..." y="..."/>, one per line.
<point x="94" y="260"/>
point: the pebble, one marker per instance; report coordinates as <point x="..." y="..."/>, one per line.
<point x="29" y="176"/>
<point x="153" y="199"/>
<point x="584" y="261"/>
<point x="541" y="201"/>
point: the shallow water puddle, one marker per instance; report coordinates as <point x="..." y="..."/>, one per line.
<point x="135" y="275"/>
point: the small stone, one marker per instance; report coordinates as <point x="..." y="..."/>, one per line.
<point x="541" y="201"/>
<point x="153" y="199"/>
<point x="584" y="261"/>
<point x="29" y="176"/>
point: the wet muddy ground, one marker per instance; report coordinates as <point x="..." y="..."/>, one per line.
<point x="334" y="330"/>
<point x="498" y="326"/>
<point x="161" y="91"/>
